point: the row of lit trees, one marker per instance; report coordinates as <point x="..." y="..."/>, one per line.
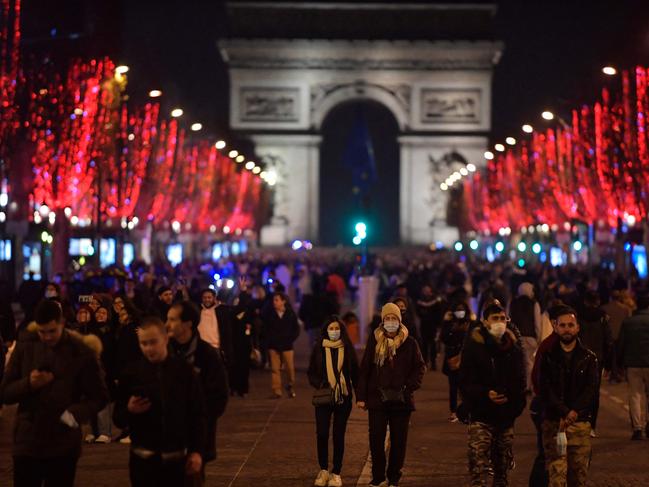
<point x="593" y="168"/>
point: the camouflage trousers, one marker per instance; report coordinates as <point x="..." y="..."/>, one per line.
<point x="489" y="447"/>
<point x="570" y="470"/>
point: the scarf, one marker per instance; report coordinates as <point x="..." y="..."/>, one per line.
<point x="339" y="385"/>
<point x="386" y="348"/>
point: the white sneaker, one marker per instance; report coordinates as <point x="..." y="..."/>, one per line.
<point x="322" y="479"/>
<point x="593" y="434"/>
<point x="335" y="480"/>
<point x="126" y="440"/>
<point x="90" y="438"/>
<point x="103" y="439"/>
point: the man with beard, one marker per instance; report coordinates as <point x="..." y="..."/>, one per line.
<point x="163" y="302"/>
<point x="182" y="320"/>
<point x="568" y="385"/>
<point x="215" y="326"/>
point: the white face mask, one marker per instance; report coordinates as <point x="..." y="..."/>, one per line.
<point x="497" y="329"/>
<point x="334" y="335"/>
<point x="391" y="326"/>
<point x="460" y="314"/>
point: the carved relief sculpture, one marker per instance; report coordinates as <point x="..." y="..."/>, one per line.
<point x="269" y="104"/>
<point x="450" y="106"/>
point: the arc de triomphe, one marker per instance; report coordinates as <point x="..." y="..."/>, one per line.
<point x="439" y="92"/>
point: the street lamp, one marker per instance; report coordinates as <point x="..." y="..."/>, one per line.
<point x="177" y="112"/>
<point x="220" y="144"/>
<point x="547" y="115"/>
<point x="155" y="93"/>
<point x="488" y="155"/>
<point x="499" y="147"/>
<point x="609" y="70"/>
<point x="196" y="127"/>
<point x="510" y="141"/>
<point x="527" y="128"/>
<point x="123" y="69"/>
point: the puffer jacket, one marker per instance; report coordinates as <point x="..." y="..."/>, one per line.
<point x="78" y="387"/>
<point x="488" y="365"/>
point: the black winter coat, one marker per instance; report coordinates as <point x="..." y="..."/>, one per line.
<point x="565" y="388"/>
<point x="633" y="342"/>
<point x="208" y="364"/>
<point x="280" y="333"/>
<point x="491" y="366"/>
<point x="224" y="318"/>
<point x="127" y="348"/>
<point x="453" y="335"/>
<point x="317" y="372"/>
<point x="78" y="387"/>
<point x="176" y="419"/>
<point x="595" y="334"/>
<point x="405" y="370"/>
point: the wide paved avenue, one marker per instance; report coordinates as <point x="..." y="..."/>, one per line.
<point x="264" y="442"/>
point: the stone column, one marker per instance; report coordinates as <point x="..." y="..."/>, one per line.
<point x="296" y="160"/>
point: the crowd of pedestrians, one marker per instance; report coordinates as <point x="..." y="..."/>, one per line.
<point x="151" y="357"/>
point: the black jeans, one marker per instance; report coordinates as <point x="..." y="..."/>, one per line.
<point x="44" y="472"/>
<point x="399" y="422"/>
<point x="156" y="473"/>
<point x="453" y="386"/>
<point x="323" y="420"/>
<point x="538" y="475"/>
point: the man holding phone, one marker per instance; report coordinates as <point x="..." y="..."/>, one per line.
<point x="55" y="377"/>
<point x="492" y="383"/>
<point x="160" y="399"/>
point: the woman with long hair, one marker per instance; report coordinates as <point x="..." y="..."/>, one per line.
<point x="333" y="372"/>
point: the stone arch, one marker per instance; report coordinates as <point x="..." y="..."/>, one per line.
<point x="359" y="91"/>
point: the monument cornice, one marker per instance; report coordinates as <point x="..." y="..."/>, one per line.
<point x="359" y="55"/>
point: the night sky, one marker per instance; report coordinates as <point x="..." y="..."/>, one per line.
<point x="553" y="50"/>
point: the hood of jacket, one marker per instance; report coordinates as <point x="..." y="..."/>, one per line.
<point x="91" y="342"/>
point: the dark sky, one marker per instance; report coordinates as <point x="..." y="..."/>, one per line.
<point x="553" y="50"/>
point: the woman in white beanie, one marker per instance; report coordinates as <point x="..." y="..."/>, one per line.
<point x="391" y="370"/>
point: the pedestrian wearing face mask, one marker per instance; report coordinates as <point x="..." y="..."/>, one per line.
<point x="333" y="372"/>
<point x="455" y="326"/>
<point x="391" y="370"/>
<point x="492" y="384"/>
<point x="569" y="382"/>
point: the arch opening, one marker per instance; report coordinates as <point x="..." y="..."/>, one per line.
<point x="352" y="189"/>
